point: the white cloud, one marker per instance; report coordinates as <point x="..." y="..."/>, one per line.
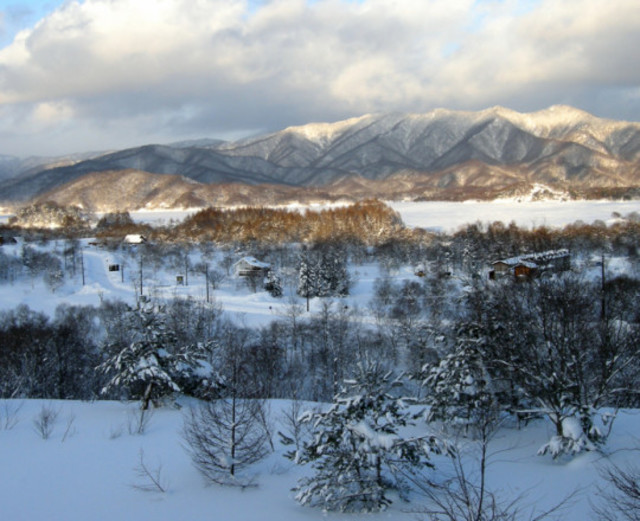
<point x="52" y="113"/>
<point x="215" y="66"/>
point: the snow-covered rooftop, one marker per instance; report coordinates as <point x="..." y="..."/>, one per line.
<point x="532" y="260"/>
<point x="134" y="238"/>
<point x="252" y="261"/>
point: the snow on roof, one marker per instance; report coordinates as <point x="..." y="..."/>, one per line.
<point x="512" y="261"/>
<point x="528" y="264"/>
<point x="134" y="238"/>
<point x="532" y="259"/>
<point x="252" y="261"/>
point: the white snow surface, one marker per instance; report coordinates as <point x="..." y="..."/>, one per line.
<point x="87" y="469"/>
<point x="449" y="217"/>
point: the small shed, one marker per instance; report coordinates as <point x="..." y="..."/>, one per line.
<point x="135" y="238"/>
<point x="250" y="267"/>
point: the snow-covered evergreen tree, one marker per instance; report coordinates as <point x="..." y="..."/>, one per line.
<point x="334" y="272"/>
<point x="149" y="366"/>
<point x="357" y="450"/>
<point x="273" y="284"/>
<point x="460" y="388"/>
<point x="323" y="273"/>
<point x="305" y="277"/>
<point x="191" y="369"/>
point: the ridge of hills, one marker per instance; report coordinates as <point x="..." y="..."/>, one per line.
<point x="442" y="154"/>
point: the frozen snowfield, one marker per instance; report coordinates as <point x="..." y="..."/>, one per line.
<point x="448" y="217"/>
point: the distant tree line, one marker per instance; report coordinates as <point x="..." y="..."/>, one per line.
<point x="363" y="224"/>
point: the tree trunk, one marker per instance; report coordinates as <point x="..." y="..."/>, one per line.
<point x="146" y="398"/>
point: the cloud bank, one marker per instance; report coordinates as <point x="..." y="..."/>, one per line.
<point x="111" y="73"/>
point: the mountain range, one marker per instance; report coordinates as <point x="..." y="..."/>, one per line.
<point x="442" y="154"/>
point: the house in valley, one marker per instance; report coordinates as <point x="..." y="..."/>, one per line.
<point x="251" y="267"/>
<point x="531" y="265"/>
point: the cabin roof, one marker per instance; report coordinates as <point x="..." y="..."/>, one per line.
<point x="253" y="262"/>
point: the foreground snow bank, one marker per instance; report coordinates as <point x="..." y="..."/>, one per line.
<point x="86" y="469"/>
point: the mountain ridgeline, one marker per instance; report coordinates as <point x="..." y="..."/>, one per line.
<point x="443" y="154"/>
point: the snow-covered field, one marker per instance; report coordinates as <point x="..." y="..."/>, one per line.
<point x="86" y="469"/>
<point x="448" y="217"/>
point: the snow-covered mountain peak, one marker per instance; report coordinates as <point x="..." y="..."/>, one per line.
<point x="559" y="121"/>
<point x="322" y="132"/>
<point x="499" y="110"/>
<point x="561" y="115"/>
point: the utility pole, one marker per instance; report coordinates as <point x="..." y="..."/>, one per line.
<point x="308" y="274"/>
<point x="206" y="279"/>
<point x="603" y="311"/>
<point x="82" y="264"/>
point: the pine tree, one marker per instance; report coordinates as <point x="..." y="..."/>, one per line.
<point x="323" y="273"/>
<point x="460" y="388"/>
<point x="273" y="284"/>
<point x="305" y="277"/>
<point x="149" y="366"/>
<point x="334" y="264"/>
<point x="356" y="450"/>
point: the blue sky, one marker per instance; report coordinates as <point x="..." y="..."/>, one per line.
<point x="18" y="15"/>
<point x="102" y="74"/>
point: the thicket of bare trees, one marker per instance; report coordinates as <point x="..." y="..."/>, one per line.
<point x="370" y="222"/>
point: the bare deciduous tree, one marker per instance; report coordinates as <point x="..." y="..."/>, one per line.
<point x="45" y="421"/>
<point x="224" y="437"/>
<point x="466" y="498"/>
<point x="620" y="497"/>
<point x="149" y="479"/>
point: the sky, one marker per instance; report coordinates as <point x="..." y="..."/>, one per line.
<point x="104" y="74"/>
